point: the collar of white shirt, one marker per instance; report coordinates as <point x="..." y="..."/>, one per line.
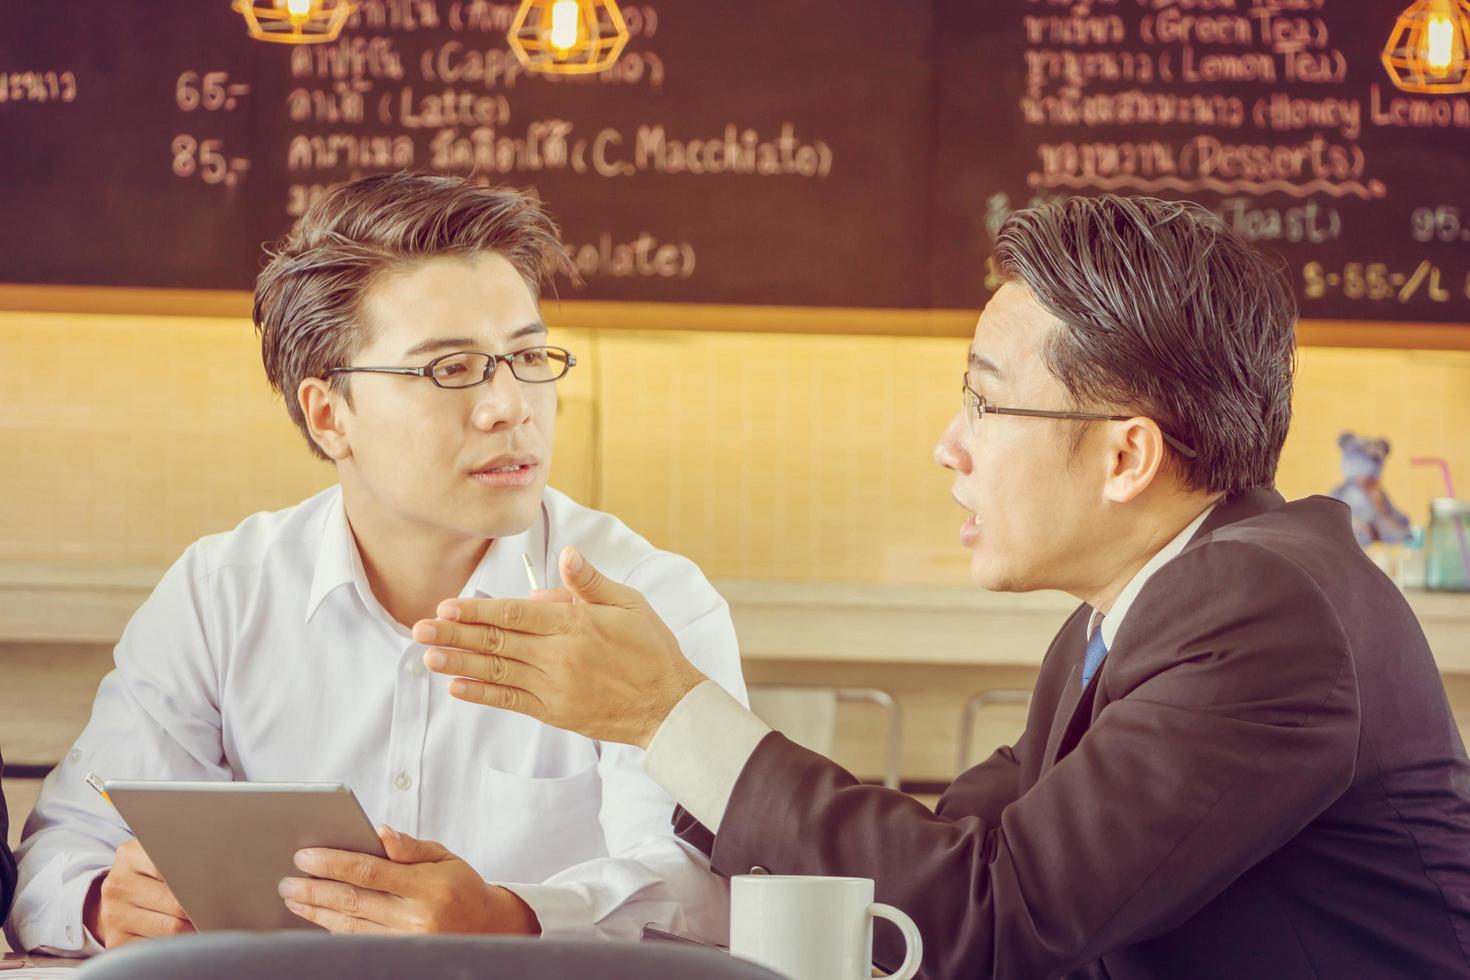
<point x="1113" y="619"/>
<point x="339" y="563"/>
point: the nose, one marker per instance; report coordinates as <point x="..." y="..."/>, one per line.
<point x="950" y="451"/>
<point x="501" y="402"/>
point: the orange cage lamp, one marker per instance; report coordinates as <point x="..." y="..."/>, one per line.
<point x="294" y="21"/>
<point x="1429" y="50"/>
<point x="568" y="37"/>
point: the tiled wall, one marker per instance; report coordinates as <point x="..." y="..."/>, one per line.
<point x="124" y="438"/>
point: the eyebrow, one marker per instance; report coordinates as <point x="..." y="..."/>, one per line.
<point x="985" y="365"/>
<point x="468" y="343"/>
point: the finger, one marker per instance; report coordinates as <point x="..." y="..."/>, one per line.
<point x="336" y="922"/>
<point x="148" y="923"/>
<point x="131" y="857"/>
<point x="551" y="595"/>
<point x="334" y="896"/>
<point x="154" y="895"/>
<point x="516" y="615"/>
<point x="410" y="850"/>
<point x="590" y="585"/>
<point x="484" y="667"/>
<point x="494" y="696"/>
<point x="363" y="870"/>
<point x="483" y="638"/>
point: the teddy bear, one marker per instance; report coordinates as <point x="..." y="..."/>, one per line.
<point x="1374" y="516"/>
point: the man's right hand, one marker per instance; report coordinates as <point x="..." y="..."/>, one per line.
<point x="131" y="902"/>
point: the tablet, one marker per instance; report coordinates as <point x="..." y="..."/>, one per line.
<point x="224" y="847"/>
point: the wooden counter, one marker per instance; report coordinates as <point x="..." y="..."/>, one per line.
<point x="776" y="621"/>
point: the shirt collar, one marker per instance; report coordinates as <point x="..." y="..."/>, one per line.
<point x="1114" y="618"/>
<point x="336" y="558"/>
<point x="501" y="572"/>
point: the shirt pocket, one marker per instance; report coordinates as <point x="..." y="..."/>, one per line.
<point x="541" y="825"/>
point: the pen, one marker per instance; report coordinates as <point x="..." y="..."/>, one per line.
<point x="94" y="781"/>
<point x="530" y="572"/>
<point x="653" y="934"/>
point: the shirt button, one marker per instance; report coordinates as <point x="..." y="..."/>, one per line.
<point x="71" y="934"/>
<point x="411" y="667"/>
<point x="404" y="781"/>
<point x="75" y="755"/>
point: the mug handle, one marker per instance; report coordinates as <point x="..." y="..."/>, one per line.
<point x="913" y="943"/>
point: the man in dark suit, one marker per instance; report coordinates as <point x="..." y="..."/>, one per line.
<point x="7" y="862"/>
<point x="1239" y="759"/>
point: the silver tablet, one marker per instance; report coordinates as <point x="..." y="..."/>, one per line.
<point x="224" y="847"/>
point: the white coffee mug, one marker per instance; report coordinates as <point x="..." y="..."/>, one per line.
<point x="814" y="928"/>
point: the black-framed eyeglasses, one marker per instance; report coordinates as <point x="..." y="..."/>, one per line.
<point x="976" y="408"/>
<point x="467" y="368"/>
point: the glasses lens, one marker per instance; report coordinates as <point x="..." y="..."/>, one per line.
<point x="539" y="364"/>
<point x="972" y="408"/>
<point x="460" y="370"/>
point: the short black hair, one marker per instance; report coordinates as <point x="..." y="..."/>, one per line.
<point x="1167" y="312"/>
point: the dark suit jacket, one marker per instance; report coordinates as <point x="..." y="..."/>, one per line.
<point x="1264" y="780"/>
<point x="7" y="863"/>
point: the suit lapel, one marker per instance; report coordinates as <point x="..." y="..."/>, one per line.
<point x="1074" y="717"/>
<point x="1074" y="640"/>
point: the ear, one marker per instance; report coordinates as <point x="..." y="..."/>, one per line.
<point x="325" y="411"/>
<point x="1345" y="440"/>
<point x="1135" y="455"/>
<point x="1382" y="446"/>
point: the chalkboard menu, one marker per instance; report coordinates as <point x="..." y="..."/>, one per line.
<point x="804" y="153"/>
<point x="1275" y="114"/>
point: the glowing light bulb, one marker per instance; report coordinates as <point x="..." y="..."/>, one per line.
<point x="1439" y="44"/>
<point x="564" y="22"/>
<point x="295" y="21"/>
<point x="297" y="10"/>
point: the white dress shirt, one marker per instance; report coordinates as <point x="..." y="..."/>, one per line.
<point x="263" y="655"/>
<point x="699" y="751"/>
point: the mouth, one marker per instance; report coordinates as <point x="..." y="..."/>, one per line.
<point x="970" y="529"/>
<point x="506" y="472"/>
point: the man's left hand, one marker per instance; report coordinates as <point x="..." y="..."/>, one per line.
<point x="419" y="888"/>
<point x="602" y="665"/>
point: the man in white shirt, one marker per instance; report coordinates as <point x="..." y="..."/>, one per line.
<point x="400" y="320"/>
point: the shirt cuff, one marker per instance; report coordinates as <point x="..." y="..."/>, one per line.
<point x="699" y="751"/>
<point x="58" y="929"/>
<point x="559" y="909"/>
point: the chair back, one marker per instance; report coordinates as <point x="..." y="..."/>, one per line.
<point x="296" y="955"/>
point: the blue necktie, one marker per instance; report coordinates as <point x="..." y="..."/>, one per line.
<point x="1096" y="650"/>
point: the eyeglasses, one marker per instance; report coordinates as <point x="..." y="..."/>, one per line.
<point x="467" y="368"/>
<point x="976" y="408"/>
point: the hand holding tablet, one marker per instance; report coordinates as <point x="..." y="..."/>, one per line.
<point x="131" y="901"/>
<point x="223" y="849"/>
<point x="291" y="856"/>
<point x="421" y="888"/>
